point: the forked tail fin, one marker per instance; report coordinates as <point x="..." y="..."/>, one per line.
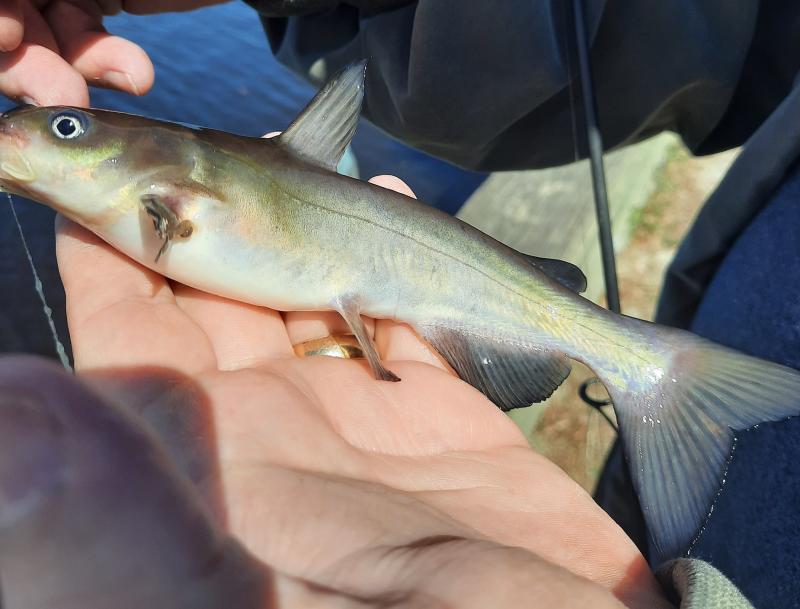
<point x="677" y="428"/>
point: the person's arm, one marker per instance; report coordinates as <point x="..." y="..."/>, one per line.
<point x="485" y="84"/>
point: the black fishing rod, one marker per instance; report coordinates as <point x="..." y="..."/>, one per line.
<point x="594" y="141"/>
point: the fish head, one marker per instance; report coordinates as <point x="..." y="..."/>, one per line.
<point x="86" y="164"/>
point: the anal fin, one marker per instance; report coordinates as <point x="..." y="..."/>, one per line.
<point x="511" y="375"/>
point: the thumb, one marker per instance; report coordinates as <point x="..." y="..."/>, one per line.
<point x="94" y="515"/>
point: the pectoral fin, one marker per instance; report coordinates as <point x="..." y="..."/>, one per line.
<point x="166" y="223"/>
<point x="323" y="130"/>
<point x="350" y="311"/>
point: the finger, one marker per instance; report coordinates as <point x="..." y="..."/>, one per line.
<point x="399" y="342"/>
<point x="82" y="478"/>
<point x="35" y="72"/>
<point x="393" y="183"/>
<point x="36" y="75"/>
<point x="121" y="314"/>
<point x="242" y="335"/>
<point x="488" y="575"/>
<point x="37" y="31"/>
<point x="302" y="326"/>
<point x="145" y="7"/>
<point x="109" y="7"/>
<point x="102" y="59"/>
<point x="12" y="25"/>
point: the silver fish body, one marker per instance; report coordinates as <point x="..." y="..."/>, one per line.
<point x="269" y="222"/>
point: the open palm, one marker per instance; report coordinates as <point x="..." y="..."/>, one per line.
<point x="311" y="463"/>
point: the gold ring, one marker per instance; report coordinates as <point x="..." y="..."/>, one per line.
<point x="336" y="345"/>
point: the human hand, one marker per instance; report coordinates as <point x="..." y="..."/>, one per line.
<point x="328" y="475"/>
<point x="51" y="49"/>
<point x="95" y="515"/>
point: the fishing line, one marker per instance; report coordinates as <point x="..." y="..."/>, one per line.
<point x="37" y="284"/>
<point x="598" y="405"/>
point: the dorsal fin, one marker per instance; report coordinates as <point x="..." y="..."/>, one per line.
<point x="565" y="273"/>
<point x="323" y="130"/>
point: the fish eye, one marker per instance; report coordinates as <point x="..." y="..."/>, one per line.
<point x="67" y="126"/>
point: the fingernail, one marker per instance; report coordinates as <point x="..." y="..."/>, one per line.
<point x="31" y="460"/>
<point x="120" y="80"/>
<point x="28" y="100"/>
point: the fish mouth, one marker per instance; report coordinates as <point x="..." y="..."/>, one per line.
<point x="14" y="165"/>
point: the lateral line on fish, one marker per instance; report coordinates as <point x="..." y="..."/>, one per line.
<point x="410" y="238"/>
<point x="37" y="284"/>
<point x="527" y="299"/>
<point x="528" y="345"/>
